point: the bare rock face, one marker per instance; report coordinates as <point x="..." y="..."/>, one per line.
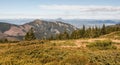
<point x="41" y="29"/>
<point x="15" y="31"/>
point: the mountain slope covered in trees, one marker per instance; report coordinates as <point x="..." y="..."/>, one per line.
<point x="91" y="32"/>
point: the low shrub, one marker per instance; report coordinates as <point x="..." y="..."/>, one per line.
<point x="75" y="60"/>
<point x="102" y="45"/>
<point x="3" y="41"/>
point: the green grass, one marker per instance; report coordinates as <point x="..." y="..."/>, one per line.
<point x="102" y="45"/>
<point x="113" y="35"/>
<point x="51" y="53"/>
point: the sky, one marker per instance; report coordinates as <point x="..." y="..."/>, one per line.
<point x="66" y="9"/>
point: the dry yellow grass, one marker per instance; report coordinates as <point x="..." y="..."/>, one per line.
<point x="56" y="52"/>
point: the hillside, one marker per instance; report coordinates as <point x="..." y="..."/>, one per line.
<point x="113" y="35"/>
<point x="59" y="52"/>
<point x="42" y="29"/>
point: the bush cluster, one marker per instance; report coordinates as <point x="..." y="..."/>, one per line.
<point x="102" y="45"/>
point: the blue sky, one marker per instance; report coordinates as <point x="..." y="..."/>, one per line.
<point x="84" y="9"/>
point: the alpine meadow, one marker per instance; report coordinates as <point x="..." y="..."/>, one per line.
<point x="59" y="32"/>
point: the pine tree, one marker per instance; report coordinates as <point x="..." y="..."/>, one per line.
<point x="75" y="34"/>
<point x="103" y="30"/>
<point x="51" y="37"/>
<point x="30" y="35"/>
<point x="88" y="33"/>
<point x="97" y="32"/>
<point x="58" y="36"/>
<point x="79" y="33"/>
<point x="83" y="31"/>
<point x="72" y="36"/>
<point x="65" y="35"/>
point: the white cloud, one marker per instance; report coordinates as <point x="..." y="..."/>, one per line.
<point x="70" y="11"/>
<point x="79" y="8"/>
<point x="88" y="12"/>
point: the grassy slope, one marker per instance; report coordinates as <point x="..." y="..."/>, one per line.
<point x="66" y="52"/>
<point x="114" y="35"/>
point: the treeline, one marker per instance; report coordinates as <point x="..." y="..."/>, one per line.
<point x="5" y="40"/>
<point x="91" y="32"/>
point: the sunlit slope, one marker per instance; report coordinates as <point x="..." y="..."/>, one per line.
<point x="113" y="35"/>
<point x="59" y="52"/>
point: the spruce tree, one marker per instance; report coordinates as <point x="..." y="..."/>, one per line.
<point x="103" y="30"/>
<point x="51" y="37"/>
<point x="65" y="35"/>
<point x="30" y="35"/>
<point x="88" y="33"/>
<point x="75" y="34"/>
<point x="83" y="31"/>
<point x="97" y="32"/>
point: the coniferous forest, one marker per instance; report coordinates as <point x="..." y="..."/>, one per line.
<point x="90" y="32"/>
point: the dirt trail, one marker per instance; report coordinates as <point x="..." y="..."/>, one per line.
<point x="80" y="43"/>
<point x="117" y="41"/>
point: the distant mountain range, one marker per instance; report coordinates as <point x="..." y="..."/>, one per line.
<point x="89" y="22"/>
<point x="75" y="22"/>
<point x="42" y="29"/>
<point x="15" y="29"/>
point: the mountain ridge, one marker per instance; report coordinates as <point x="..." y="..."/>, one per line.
<point x="75" y="22"/>
<point x="42" y="29"/>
